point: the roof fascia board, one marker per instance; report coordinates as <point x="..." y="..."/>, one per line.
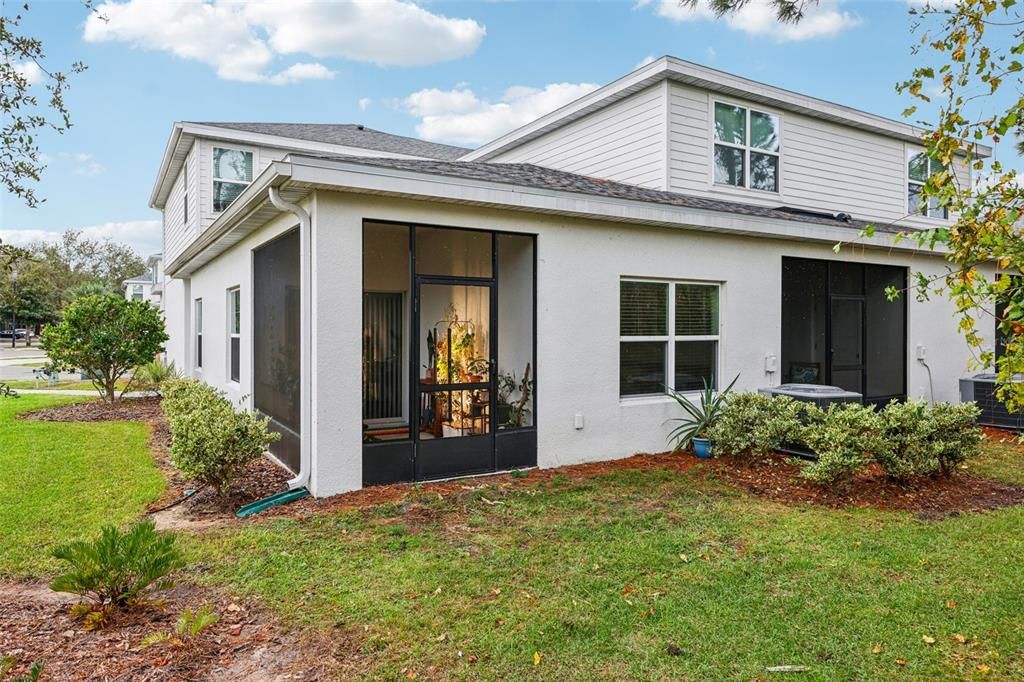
<point x="157" y="197"/>
<point x="377" y="180"/>
<point x="380" y="180"/>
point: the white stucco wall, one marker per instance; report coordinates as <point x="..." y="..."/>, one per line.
<point x="580" y="265"/>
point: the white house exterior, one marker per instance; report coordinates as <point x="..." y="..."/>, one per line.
<point x="149" y="286"/>
<point x="381" y="298"/>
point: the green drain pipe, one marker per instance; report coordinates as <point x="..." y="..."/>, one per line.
<point x="274" y="500"/>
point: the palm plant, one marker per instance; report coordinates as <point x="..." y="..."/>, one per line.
<point x="699" y="415"/>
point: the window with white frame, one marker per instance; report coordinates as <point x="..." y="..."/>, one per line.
<point x="136" y="292"/>
<point x="668" y="336"/>
<point x="919" y="168"/>
<point x="198" y="314"/>
<point x="232" y="173"/>
<point x="746" y="148"/>
<point x="234" y="333"/>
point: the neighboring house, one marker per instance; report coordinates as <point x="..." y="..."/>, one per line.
<point x="382" y="298"/>
<point x="148" y="286"/>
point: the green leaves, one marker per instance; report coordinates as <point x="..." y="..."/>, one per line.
<point x="699" y="417"/>
<point x="119" y="568"/>
<point x="210" y="440"/>
<point x="105" y="336"/>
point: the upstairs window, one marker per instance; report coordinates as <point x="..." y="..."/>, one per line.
<point x="668" y="336"/>
<point x="136" y="292"/>
<point x="746" y="148"/>
<point x="919" y="169"/>
<point x="232" y="173"/>
<point x="184" y="194"/>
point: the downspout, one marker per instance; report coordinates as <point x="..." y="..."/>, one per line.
<point x="301" y="479"/>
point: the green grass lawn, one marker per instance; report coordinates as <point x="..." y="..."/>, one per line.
<point x="63" y="481"/>
<point x="604" y="577"/>
<point x="629" y="575"/>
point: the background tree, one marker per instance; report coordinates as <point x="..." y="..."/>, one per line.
<point x="24" y="75"/>
<point x="51" y="275"/>
<point x="105" y="337"/>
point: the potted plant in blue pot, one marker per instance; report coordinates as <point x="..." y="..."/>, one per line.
<point x="694" y="425"/>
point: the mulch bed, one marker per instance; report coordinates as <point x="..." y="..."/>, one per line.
<point x="776" y="477"/>
<point x="243" y="644"/>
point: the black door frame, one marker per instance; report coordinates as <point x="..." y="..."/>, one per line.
<point x="463" y="451"/>
<point x="830" y="296"/>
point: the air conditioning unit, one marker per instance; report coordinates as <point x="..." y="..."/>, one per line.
<point x="981" y="389"/>
<point x="822" y="396"/>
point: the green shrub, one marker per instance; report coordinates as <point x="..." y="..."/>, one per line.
<point x="753" y="423"/>
<point x="210" y="440"/>
<point x="956" y="436"/>
<point x="119" y="568"/>
<point x="153" y="375"/>
<point x="918" y="439"/>
<point x="904" y="450"/>
<point x="839" y="437"/>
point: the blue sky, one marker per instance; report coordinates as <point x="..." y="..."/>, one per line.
<point x="147" y="70"/>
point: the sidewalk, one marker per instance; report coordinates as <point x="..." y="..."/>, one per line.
<point x="72" y="391"/>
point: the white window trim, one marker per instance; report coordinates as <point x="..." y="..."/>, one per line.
<point x="197" y="323"/>
<point x="232" y="291"/>
<point x="745" y="188"/>
<point x="214" y="179"/>
<point x="907" y="151"/>
<point x="671" y="338"/>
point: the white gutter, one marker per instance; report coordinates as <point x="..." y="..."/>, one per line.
<point x="301" y="479"/>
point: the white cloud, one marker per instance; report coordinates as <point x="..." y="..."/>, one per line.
<point x="85" y="166"/>
<point x="649" y="59"/>
<point x="758" y="18"/>
<point x="301" y="72"/>
<point x="30" y="71"/>
<point x="142" y="235"/>
<point x="364" y="103"/>
<point x="934" y="4"/>
<point x="461" y="117"/>
<point x="242" y="41"/>
<point x="711" y="52"/>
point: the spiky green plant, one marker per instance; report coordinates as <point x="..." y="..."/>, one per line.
<point x="119" y="568"/>
<point x="699" y="416"/>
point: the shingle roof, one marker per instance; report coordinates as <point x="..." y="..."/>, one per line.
<point x="350" y="135"/>
<point x="530" y="175"/>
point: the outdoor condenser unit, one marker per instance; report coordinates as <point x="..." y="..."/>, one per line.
<point x="822" y="396"/>
<point x="980" y="389"/>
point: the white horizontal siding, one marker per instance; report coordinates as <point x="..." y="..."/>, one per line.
<point x="624" y="141"/>
<point x="824" y="166"/>
<point x="176" y="234"/>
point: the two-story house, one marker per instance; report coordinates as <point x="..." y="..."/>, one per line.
<point x="405" y="310"/>
<point x="149" y="285"/>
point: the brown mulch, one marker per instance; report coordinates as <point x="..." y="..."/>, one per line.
<point x="776" y="477"/>
<point x="243" y="644"/>
<point x="257" y="480"/>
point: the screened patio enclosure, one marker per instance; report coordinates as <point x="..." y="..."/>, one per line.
<point x="840" y="329"/>
<point x="448" y="352"/>
<point x="276" y="346"/>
